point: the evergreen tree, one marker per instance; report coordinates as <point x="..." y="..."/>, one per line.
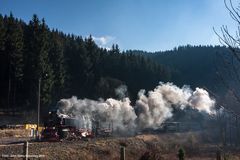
<point x="56" y="58"/>
<point x="2" y="34"/>
<point x="92" y="57"/>
<point x="14" y="51"/>
<point x="44" y="67"/>
<point x="3" y="64"/>
<point x="37" y="61"/>
<point x="66" y="65"/>
<point x="181" y="154"/>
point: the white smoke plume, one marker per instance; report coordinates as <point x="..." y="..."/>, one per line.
<point x="119" y="112"/>
<point x="156" y="107"/>
<point x="150" y="110"/>
<point x="201" y="101"/>
<point x="121" y="91"/>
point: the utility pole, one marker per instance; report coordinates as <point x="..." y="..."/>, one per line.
<point x="38" y="109"/>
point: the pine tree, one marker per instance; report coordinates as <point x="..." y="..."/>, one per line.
<point x="14" y="51"/>
<point x="44" y="67"/>
<point x="2" y="34"/>
<point x="66" y="64"/>
<point x="181" y="154"/>
<point x="38" y="65"/>
<point x="115" y="49"/>
<point x="3" y="64"/>
<point x="57" y="62"/>
<point x="92" y="58"/>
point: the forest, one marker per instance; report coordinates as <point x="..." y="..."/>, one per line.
<point x="66" y="65"/>
<point x="213" y="68"/>
<point x="198" y="66"/>
<point x="33" y="57"/>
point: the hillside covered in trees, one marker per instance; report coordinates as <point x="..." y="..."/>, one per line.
<point x="192" y="65"/>
<point x="69" y="65"/>
<point x="32" y="54"/>
<point x="211" y="67"/>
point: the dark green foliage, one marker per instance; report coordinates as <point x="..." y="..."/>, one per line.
<point x="105" y="87"/>
<point x="66" y="64"/>
<point x="37" y="61"/>
<point x="192" y="65"/>
<point x="2" y="34"/>
<point x="181" y="154"/>
<point x="56" y="58"/>
<point x="3" y="65"/>
<point x="197" y="66"/>
<point x="13" y="57"/>
<point x="209" y="67"/>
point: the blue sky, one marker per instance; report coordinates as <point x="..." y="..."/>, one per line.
<point x="150" y="25"/>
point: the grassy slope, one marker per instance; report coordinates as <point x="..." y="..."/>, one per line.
<point x="164" y="146"/>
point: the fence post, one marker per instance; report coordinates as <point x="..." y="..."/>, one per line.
<point x="122" y="153"/>
<point x="218" y="155"/>
<point x="25" y="149"/>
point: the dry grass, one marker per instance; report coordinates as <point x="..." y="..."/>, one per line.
<point x="148" y="147"/>
<point x="14" y="133"/>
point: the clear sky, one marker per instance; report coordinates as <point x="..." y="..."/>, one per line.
<point x="150" y="25"/>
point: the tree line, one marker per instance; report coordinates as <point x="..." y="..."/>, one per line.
<point x="66" y="65"/>
<point x="211" y="67"/>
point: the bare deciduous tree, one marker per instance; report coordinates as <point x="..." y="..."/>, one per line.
<point x="231" y="68"/>
<point x="231" y="41"/>
<point x="231" y="63"/>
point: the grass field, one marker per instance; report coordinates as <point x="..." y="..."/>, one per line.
<point x="151" y="146"/>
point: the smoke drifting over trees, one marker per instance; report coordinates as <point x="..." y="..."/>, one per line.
<point x="149" y="111"/>
<point x="77" y="66"/>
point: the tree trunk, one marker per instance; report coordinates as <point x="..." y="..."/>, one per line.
<point x="9" y="91"/>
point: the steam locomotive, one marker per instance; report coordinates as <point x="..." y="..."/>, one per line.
<point x="60" y="126"/>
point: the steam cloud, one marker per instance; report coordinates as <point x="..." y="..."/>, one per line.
<point x="150" y="110"/>
<point x="121" y="91"/>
